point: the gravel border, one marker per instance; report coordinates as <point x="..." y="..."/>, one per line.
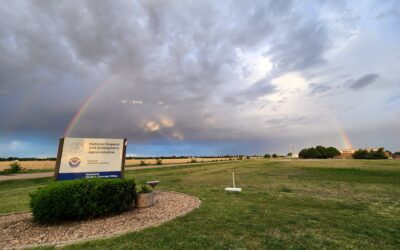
<point x="18" y="230"/>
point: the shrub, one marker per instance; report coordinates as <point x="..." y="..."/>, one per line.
<point x="79" y="199"/>
<point x="267" y="156"/>
<point x="274" y="155"/>
<point x="145" y="189"/>
<point x="159" y="161"/>
<point x="193" y="161"/>
<point x="15" y="167"/>
<point x="142" y="163"/>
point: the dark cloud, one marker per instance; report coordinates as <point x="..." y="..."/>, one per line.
<point x="301" y="48"/>
<point x="153" y="70"/>
<point x="258" y="89"/>
<point x="319" y="88"/>
<point x="179" y="54"/>
<point x="364" y="81"/>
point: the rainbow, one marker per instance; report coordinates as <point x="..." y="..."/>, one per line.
<point x="84" y="107"/>
<point x="345" y="137"/>
<point x="346" y="143"/>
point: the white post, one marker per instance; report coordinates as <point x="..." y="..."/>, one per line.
<point x="233" y="179"/>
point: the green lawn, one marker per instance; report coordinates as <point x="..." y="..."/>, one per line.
<point x="295" y="204"/>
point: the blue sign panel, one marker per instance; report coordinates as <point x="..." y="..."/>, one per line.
<point x="73" y="176"/>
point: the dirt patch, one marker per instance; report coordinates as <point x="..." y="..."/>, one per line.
<point x="18" y="230"/>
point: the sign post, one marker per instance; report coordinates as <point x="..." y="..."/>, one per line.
<point x="80" y="158"/>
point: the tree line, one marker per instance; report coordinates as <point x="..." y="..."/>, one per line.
<point x="319" y="152"/>
<point x="371" y="154"/>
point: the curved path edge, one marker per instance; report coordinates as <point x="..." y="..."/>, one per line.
<point x="117" y="233"/>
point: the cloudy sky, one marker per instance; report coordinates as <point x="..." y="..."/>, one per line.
<point x="199" y="77"/>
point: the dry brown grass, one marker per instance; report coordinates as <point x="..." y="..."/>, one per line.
<point x="29" y="164"/>
<point x="134" y="162"/>
<point x="170" y="161"/>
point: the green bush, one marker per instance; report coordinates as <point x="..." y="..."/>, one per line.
<point x="145" y="189"/>
<point x="193" y="161"/>
<point x="142" y="163"/>
<point x="79" y="199"/>
<point x="159" y="161"/>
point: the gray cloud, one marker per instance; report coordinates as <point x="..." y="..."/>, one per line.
<point x="179" y="53"/>
<point x="318" y="88"/>
<point x="301" y="48"/>
<point x="4" y="93"/>
<point x="364" y="81"/>
<point x="260" y="88"/>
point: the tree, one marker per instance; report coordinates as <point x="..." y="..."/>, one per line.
<point x="323" y="153"/>
<point x="360" y="154"/>
<point x="332" y="152"/>
<point x="379" y="154"/>
<point x="319" y="152"/>
<point x="373" y="155"/>
<point x="289" y="154"/>
<point x="274" y="155"/>
<point x="303" y="153"/>
<point x="267" y="156"/>
<point x="313" y="153"/>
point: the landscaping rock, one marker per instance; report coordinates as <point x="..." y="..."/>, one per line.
<point x="18" y="230"/>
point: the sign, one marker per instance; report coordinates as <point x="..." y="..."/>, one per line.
<point x="79" y="158"/>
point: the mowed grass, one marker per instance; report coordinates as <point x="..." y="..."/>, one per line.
<point x="295" y="204"/>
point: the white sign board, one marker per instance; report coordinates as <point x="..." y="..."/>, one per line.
<point x="90" y="157"/>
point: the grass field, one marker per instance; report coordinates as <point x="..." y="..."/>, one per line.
<point x="298" y="204"/>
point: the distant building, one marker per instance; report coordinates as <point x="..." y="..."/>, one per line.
<point x="347" y="153"/>
<point x="371" y="149"/>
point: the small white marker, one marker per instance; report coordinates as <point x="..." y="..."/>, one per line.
<point x="234" y="188"/>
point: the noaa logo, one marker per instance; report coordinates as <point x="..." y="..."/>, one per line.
<point x="76" y="147"/>
<point x="74" y="162"/>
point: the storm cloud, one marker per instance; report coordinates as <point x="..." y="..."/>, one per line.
<point x="180" y="72"/>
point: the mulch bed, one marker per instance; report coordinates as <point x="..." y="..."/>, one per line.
<point x="18" y="230"/>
